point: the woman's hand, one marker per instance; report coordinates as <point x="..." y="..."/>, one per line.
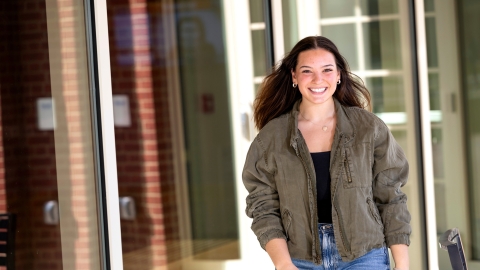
<point x="290" y="266"/>
<point x="278" y="251"/>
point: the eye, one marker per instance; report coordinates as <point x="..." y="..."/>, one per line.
<point x="327" y="70"/>
<point x="306" y="71"/>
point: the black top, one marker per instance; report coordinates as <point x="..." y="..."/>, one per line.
<point x="321" y="162"/>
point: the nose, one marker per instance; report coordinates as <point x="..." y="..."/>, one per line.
<point x="318" y="77"/>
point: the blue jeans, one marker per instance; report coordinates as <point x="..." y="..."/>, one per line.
<point x="331" y="259"/>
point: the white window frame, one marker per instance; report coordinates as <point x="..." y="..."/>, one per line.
<point x="108" y="135"/>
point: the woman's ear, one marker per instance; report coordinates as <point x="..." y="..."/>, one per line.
<point x="293" y="75"/>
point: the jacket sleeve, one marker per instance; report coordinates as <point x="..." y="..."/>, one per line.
<point x="390" y="172"/>
<point x="262" y="200"/>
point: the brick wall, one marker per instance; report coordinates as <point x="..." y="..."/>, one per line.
<point x="39" y="145"/>
<point x="4" y="74"/>
<point x="30" y="169"/>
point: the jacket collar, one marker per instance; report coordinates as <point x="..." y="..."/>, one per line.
<point x="344" y="128"/>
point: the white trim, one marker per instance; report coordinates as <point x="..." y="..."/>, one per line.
<point x="429" y="186"/>
<point x="378" y="73"/>
<point x="257" y="26"/>
<point x="308" y="14"/>
<point x="278" y="37"/>
<point x="108" y="135"/>
<point x="358" y="18"/>
<point x="398" y="118"/>
<point x="258" y="79"/>
<point x="359" y="34"/>
<point x="241" y="87"/>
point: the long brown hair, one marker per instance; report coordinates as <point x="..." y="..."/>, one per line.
<point x="277" y="95"/>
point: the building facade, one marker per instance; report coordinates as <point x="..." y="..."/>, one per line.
<point x="124" y="124"/>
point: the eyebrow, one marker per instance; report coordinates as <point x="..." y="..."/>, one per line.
<point x="327" y="65"/>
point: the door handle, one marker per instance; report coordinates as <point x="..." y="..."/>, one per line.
<point x="50" y="213"/>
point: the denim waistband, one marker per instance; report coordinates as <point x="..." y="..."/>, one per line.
<point x="325" y="226"/>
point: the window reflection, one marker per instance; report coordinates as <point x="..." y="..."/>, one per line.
<point x="174" y="158"/>
<point x="47" y="176"/>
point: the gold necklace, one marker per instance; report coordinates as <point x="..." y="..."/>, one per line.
<point x="324" y="127"/>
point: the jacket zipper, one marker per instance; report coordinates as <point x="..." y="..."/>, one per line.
<point x="318" y="258"/>
<point x="340" y="222"/>
<point x="347" y="169"/>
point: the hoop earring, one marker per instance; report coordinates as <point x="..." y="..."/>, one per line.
<point x="339" y="81"/>
<point x="294" y="85"/>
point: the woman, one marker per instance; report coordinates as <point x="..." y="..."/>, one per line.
<point x="324" y="174"/>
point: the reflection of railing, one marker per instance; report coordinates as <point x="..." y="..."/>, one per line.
<point x="399" y="118"/>
<point x="7" y="240"/>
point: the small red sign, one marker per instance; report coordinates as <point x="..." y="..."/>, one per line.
<point x="208" y="103"/>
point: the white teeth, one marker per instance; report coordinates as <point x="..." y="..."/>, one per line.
<point x="318" y="90"/>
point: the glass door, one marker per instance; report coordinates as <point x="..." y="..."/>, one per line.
<point x="448" y="127"/>
<point x="469" y="36"/>
<point x="48" y="180"/>
<point x="173" y="136"/>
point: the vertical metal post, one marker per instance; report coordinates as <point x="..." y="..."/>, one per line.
<point x="425" y="130"/>
<point x="104" y="136"/>
<point x="269" y="51"/>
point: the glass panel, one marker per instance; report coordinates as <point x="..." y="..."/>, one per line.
<point x="343" y="36"/>
<point x="432" y="54"/>
<point x="378" y="7"/>
<point x="429" y="5"/>
<point x="47" y="176"/>
<point x="470" y="64"/>
<point x="208" y="143"/>
<point x="173" y="137"/>
<point x="434" y="89"/>
<point x="290" y="25"/>
<point x="446" y="119"/>
<point x="383" y="49"/>
<point x="259" y="53"/>
<point x="388" y="98"/>
<point x="256" y="11"/>
<point x="438" y="167"/>
<point x="338" y="8"/>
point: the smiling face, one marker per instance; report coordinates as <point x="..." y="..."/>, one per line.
<point x="316" y="74"/>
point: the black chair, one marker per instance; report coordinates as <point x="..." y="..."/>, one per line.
<point x="452" y="242"/>
<point x="7" y="241"/>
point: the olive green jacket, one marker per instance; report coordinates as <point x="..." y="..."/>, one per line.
<point x="367" y="169"/>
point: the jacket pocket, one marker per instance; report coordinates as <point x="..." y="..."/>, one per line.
<point x="357" y="166"/>
<point x="374" y="211"/>
<point x="287" y="222"/>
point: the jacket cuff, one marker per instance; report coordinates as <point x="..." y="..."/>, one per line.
<point x="269" y="235"/>
<point x="398" y="239"/>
